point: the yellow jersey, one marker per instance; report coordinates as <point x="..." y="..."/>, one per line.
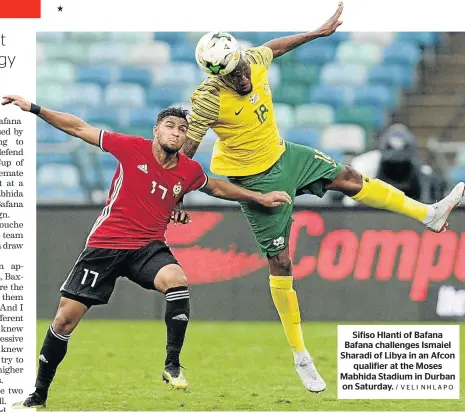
<point x="248" y="137"/>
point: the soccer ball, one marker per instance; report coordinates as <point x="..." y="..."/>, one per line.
<point x="217" y="53"/>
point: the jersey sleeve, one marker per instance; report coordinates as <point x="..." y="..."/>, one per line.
<point x="262" y="55"/>
<point x="200" y="178"/>
<point x="205" y="111"/>
<point x="115" y="143"/>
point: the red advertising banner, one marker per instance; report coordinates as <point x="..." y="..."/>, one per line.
<point x="20" y="9"/>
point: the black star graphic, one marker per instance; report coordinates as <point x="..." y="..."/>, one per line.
<point x="60" y="8"/>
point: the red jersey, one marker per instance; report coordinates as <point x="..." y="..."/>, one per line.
<point x="142" y="193"/>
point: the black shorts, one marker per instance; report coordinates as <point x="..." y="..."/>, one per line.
<point x="93" y="276"/>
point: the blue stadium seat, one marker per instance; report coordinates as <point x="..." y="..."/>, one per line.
<point x="377" y="96"/>
<point x="102" y="76"/>
<point x="391" y="75"/>
<point x="53" y="37"/>
<point x="164" y="95"/>
<point x="457" y="174"/>
<point x="107" y="53"/>
<point x="343" y="74"/>
<point x="49" y="135"/>
<point x="251" y="36"/>
<point x="314" y="54"/>
<point x="86" y="164"/>
<point x="176" y="74"/>
<point x="204" y="158"/>
<point x="52" y="157"/>
<point x="334" y="96"/>
<point x="61" y="195"/>
<point x="264" y="36"/>
<point x="125" y="95"/>
<point x="105" y="115"/>
<point x="171" y="37"/>
<point x="402" y="53"/>
<point x="304" y="136"/>
<point x="419" y="38"/>
<point x="58" y="175"/>
<point x="86" y="94"/>
<point x="106" y="160"/>
<point x="144" y="116"/>
<point x="184" y="52"/>
<point x="137" y="75"/>
<point x="333" y="40"/>
<point x="108" y="174"/>
<point x="337" y="155"/>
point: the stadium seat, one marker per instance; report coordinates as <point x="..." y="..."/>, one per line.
<point x="333" y="40"/>
<point x="52" y="157"/>
<point x="106" y="160"/>
<point x="274" y="75"/>
<point x="137" y="75"/>
<point x="108" y="174"/>
<point x="49" y="135"/>
<point x="164" y="95"/>
<point x="107" y="53"/>
<point x="347" y="138"/>
<point x="375" y="95"/>
<point x="50" y="95"/>
<point x="290" y="94"/>
<point x="313" y="54"/>
<point x="144" y="116"/>
<point x="56" y="72"/>
<point x="381" y="38"/>
<point x="153" y="53"/>
<point x="300" y="74"/>
<point x="250" y="36"/>
<point x="53" y="37"/>
<point x="343" y="74"/>
<point x="87" y="37"/>
<point x="391" y="75"/>
<point x="85" y="161"/>
<point x="125" y="95"/>
<point x="105" y="115"/>
<point x="69" y="52"/>
<point x="88" y="94"/>
<point x="334" y="96"/>
<point x="460" y="160"/>
<point x="40" y="54"/>
<point x="204" y="158"/>
<point x="402" y="53"/>
<point x="170" y="37"/>
<point x="304" y="136"/>
<point x="314" y="115"/>
<point x="284" y="115"/>
<point x="418" y="39"/>
<point x="368" y="117"/>
<point x="99" y="75"/>
<point x="50" y="195"/>
<point x="58" y="175"/>
<point x="183" y="52"/>
<point x="128" y="37"/>
<point x="176" y="74"/>
<point x="457" y="174"/>
<point x="368" y="54"/>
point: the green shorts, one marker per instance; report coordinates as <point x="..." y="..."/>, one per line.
<point x="300" y="170"/>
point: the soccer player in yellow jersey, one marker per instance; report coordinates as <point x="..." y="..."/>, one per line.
<point x="236" y="102"/>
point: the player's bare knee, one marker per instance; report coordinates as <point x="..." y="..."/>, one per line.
<point x="281" y="265"/>
<point x="170" y="276"/>
<point x="68" y="316"/>
<point x="64" y="324"/>
<point x="349" y="181"/>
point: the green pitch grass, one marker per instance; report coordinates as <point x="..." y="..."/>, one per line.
<point x="117" y="365"/>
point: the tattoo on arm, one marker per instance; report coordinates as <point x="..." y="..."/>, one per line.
<point x="190" y="147"/>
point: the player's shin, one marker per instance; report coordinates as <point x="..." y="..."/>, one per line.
<point x="52" y="353"/>
<point x="285" y="301"/>
<point x="177" y="314"/>
<point x="381" y="195"/>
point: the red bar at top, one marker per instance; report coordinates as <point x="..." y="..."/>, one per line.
<point x="20" y="9"/>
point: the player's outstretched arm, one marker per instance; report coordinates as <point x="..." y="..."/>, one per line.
<point x="228" y="191"/>
<point x="284" y="45"/>
<point x="65" y="122"/>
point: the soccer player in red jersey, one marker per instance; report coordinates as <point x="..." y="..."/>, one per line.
<point x="128" y="238"/>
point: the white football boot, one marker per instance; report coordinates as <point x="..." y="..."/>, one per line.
<point x="306" y="369"/>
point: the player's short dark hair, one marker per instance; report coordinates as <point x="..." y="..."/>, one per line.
<point x="173" y="111"/>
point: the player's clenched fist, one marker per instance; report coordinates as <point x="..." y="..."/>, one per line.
<point x="19" y="101"/>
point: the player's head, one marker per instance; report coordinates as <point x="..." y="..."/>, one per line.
<point x="171" y="129"/>
<point x="219" y="54"/>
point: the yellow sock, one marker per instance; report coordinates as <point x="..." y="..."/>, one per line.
<point x="381" y="195"/>
<point x="285" y="300"/>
